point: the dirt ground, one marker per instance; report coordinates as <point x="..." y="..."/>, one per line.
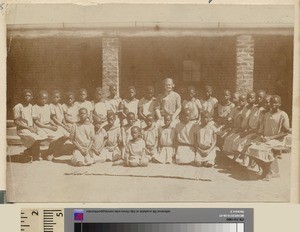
<point x="44" y="181"/>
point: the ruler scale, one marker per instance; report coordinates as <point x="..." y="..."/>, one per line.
<point x="137" y="220"/>
<point x="45" y="220"/>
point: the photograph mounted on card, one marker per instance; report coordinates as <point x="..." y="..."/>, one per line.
<point x="149" y="103"/>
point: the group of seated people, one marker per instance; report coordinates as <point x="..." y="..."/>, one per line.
<point x="165" y="129"/>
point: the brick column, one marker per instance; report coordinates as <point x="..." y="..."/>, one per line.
<point x="244" y="63"/>
<point x="110" y="63"/>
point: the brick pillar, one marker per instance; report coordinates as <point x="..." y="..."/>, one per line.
<point x="110" y="63"/>
<point x="244" y="63"/>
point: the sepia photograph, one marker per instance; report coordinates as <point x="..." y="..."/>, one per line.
<point x="149" y="102"/>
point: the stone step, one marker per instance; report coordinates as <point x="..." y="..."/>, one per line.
<point x="11" y="131"/>
<point x="10" y="123"/>
<point x="13" y="140"/>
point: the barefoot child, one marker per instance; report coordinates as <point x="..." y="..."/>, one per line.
<point x="83" y="103"/>
<point x="150" y="136"/>
<point x="41" y="115"/>
<point x="274" y="128"/>
<point x="57" y="113"/>
<point x="192" y="104"/>
<point x="111" y="150"/>
<point x="83" y="136"/>
<point x="206" y="142"/>
<point x="31" y="136"/>
<point x="135" y="150"/>
<point x="70" y="110"/>
<point x="166" y="142"/>
<point x="186" y="136"/>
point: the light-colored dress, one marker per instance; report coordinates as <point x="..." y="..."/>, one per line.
<point x="253" y="124"/>
<point x="83" y="134"/>
<point x="136" y="152"/>
<point x="209" y="105"/>
<point x="194" y="106"/>
<point x="168" y="103"/>
<point x="113" y="103"/>
<point x="71" y="112"/>
<point x="24" y="115"/>
<point x="247" y="113"/>
<point x="100" y="137"/>
<point x="150" y="137"/>
<point x="100" y="108"/>
<point x="147" y="106"/>
<point x="43" y="115"/>
<point x="132" y="106"/>
<point x="231" y="136"/>
<point x="86" y="104"/>
<point x="58" y="112"/>
<point x="166" y="143"/>
<point x="111" y="151"/>
<point x="273" y="124"/>
<point x="185" y="135"/>
<point x="224" y="111"/>
<point x="206" y="136"/>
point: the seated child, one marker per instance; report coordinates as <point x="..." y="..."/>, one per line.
<point x="41" y="115"/>
<point x="99" y="104"/>
<point x="31" y="136"/>
<point x="147" y="105"/>
<point x="274" y="128"/>
<point x="166" y="142"/>
<point x="135" y="150"/>
<point x="235" y="121"/>
<point x="224" y="108"/>
<point x="150" y="136"/>
<point x="206" y="142"/>
<point x="131" y="103"/>
<point x="101" y="136"/>
<point x="113" y="100"/>
<point x="70" y="110"/>
<point x="126" y="130"/>
<point x="111" y="150"/>
<point x="186" y="136"/>
<point x="209" y="103"/>
<point x="83" y="136"/>
<point x="250" y="116"/>
<point x="57" y="113"/>
<point x="83" y="103"/>
<point x="192" y="104"/>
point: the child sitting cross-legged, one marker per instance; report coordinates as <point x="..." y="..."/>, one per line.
<point x="136" y="150"/>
